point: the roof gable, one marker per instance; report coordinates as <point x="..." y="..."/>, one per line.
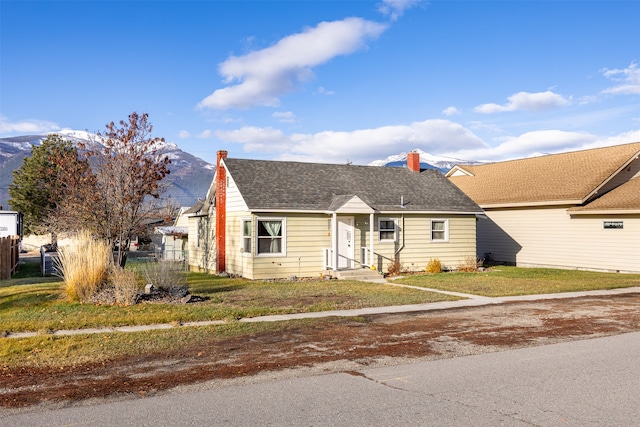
<point x="623" y="199"/>
<point x="567" y="178"/>
<point x="274" y="185"/>
<point x="349" y="203"/>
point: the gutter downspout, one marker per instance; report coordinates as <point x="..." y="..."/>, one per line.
<point x="401" y="247"/>
<point x="371" y="239"/>
<point x="334" y="240"/>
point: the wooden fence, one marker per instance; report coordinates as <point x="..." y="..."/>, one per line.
<point x="9" y="255"/>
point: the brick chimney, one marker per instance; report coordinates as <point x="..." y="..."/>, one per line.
<point x="413" y="161"/>
<point x="221" y="213"/>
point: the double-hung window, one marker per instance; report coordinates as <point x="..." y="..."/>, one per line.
<point x="246" y="236"/>
<point x="271" y="236"/>
<point x="387" y="229"/>
<point x="439" y="230"/>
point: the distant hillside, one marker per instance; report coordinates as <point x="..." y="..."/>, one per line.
<point x="189" y="179"/>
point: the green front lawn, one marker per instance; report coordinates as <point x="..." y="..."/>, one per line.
<point x="35" y="304"/>
<point x="509" y="281"/>
<point x="40" y="307"/>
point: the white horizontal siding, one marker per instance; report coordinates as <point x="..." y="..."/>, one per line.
<point x="201" y="243"/>
<point x="306" y="238"/>
<point x="414" y="245"/>
<point x="235" y="202"/>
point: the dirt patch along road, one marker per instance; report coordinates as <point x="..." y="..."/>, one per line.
<point x="329" y="345"/>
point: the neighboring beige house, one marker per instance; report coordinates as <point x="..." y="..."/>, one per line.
<point x="270" y="219"/>
<point x="577" y="210"/>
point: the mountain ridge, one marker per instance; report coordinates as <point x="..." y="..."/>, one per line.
<point x="190" y="176"/>
<point x="427" y="161"/>
<point x="188" y="181"/>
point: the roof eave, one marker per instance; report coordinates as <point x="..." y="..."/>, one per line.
<point x="530" y="204"/>
<point x="604" y="212"/>
<point x="382" y="212"/>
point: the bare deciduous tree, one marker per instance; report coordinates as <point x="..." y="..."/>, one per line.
<point x="117" y="198"/>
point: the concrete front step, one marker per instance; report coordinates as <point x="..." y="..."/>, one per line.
<point x="363" y="274"/>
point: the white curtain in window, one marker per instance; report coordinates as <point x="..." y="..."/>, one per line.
<point x="273" y="228"/>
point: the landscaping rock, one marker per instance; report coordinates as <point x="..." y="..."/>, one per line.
<point x="178" y="291"/>
<point x="149" y="289"/>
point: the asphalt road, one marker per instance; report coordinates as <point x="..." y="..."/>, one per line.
<point x="591" y="382"/>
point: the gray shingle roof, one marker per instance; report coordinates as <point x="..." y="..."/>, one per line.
<point x="274" y="185"/>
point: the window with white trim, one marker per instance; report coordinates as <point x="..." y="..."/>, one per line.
<point x="439" y="230"/>
<point x="387" y="229"/>
<point x="246" y="236"/>
<point x="270" y="236"/>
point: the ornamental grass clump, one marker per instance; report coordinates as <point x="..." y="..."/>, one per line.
<point x="83" y="264"/>
<point x="125" y="285"/>
<point x="470" y="264"/>
<point x="164" y="274"/>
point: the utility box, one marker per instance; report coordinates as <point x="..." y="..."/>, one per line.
<point x="10" y="224"/>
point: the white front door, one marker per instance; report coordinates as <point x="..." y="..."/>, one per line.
<point x="345" y="242"/>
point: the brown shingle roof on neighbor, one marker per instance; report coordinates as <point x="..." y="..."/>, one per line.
<point x="621" y="199"/>
<point x="567" y="177"/>
<point x="297" y="186"/>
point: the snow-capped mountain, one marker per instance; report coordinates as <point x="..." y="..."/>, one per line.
<point x="427" y="161"/>
<point x="189" y="179"/>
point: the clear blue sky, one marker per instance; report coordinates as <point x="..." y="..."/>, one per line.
<point x="329" y="81"/>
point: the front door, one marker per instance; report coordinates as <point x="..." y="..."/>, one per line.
<point x="345" y="242"/>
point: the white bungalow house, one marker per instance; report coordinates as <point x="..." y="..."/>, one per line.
<point x="577" y="210"/>
<point x="173" y="238"/>
<point x="271" y="219"/>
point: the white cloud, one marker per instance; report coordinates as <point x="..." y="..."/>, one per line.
<point x="267" y="74"/>
<point x="477" y="125"/>
<point x="450" y="111"/>
<point x="526" y="101"/>
<point x="437" y="137"/>
<point x="26" y="126"/>
<point x="284" y="116"/>
<point x="205" y="134"/>
<point x="256" y="139"/>
<point x="323" y="91"/>
<point x="542" y="142"/>
<point x="628" y="78"/>
<point x="360" y="146"/>
<point x="588" y="99"/>
<point x="184" y="134"/>
<point x="395" y="8"/>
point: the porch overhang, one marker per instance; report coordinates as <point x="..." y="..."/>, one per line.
<point x="348" y="205"/>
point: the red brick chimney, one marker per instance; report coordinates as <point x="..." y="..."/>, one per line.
<point x="221" y="213"/>
<point x="413" y="161"/>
